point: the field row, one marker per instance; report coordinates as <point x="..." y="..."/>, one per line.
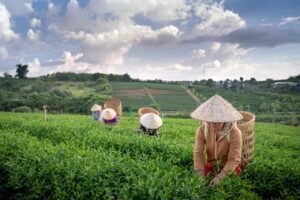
<point x="73" y="157"/>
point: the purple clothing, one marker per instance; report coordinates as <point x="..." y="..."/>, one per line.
<point x="111" y="121"/>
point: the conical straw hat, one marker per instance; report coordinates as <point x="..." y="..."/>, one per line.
<point x="96" y="107"/>
<point x="108" y="114"/>
<point x="151" y="121"/>
<point x="216" y="109"/>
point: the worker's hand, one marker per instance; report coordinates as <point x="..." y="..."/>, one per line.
<point x="215" y="182"/>
<point x="200" y="172"/>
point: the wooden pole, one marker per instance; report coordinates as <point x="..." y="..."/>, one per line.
<point x="45" y="112"/>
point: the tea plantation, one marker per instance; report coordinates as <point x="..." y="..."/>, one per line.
<point x="73" y="157"/>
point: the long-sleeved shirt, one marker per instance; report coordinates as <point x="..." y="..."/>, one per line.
<point x="228" y="152"/>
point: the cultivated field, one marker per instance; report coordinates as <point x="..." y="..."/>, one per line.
<point x="168" y="97"/>
<point x="73" y="157"/>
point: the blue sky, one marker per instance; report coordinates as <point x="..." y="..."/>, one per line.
<point x="170" y="40"/>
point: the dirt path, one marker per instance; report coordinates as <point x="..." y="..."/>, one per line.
<point x="192" y="95"/>
<point x="150" y="95"/>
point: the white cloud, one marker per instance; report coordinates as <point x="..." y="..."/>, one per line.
<point x="176" y="68"/>
<point x="290" y="20"/>
<point x="34" y="68"/>
<point x="6" y="33"/>
<point x="215" y="20"/>
<point x="3" y="53"/>
<point x="213" y="64"/>
<point x="260" y="71"/>
<point x="52" y="9"/>
<point x="218" y="58"/>
<point x="199" y="53"/>
<point x="180" y="67"/>
<point x="164" y="72"/>
<point x="69" y="59"/>
<point x="215" y="46"/>
<point x="107" y="34"/>
<point x="28" y="6"/>
<point x="156" y="10"/>
<point x="146" y="36"/>
<point x="35" y="22"/>
<point x="108" y="48"/>
<point x="18" y="7"/>
<point x="33" y="36"/>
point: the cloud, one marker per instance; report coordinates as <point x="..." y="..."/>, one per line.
<point x="6" y="33"/>
<point x="3" y="53"/>
<point x="108" y="48"/>
<point x="215" y="60"/>
<point x="250" y="37"/>
<point x="147" y="36"/>
<point x="164" y="72"/>
<point x="107" y="36"/>
<point x="179" y="67"/>
<point x="168" y="69"/>
<point x="290" y="20"/>
<point x="35" y="22"/>
<point x="156" y="10"/>
<point x="215" y="20"/>
<point x="68" y="62"/>
<point x="199" y="53"/>
<point x="18" y="7"/>
<point x="34" y="68"/>
<point x="270" y="36"/>
<point x="33" y="36"/>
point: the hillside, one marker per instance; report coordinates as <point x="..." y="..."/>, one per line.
<point x="166" y="97"/>
<point x="67" y="96"/>
<point x="76" y="93"/>
<point x="73" y="157"/>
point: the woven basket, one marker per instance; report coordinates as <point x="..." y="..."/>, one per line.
<point x="115" y="104"/>
<point x="145" y="110"/>
<point x="246" y="125"/>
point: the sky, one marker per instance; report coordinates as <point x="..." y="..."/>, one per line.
<point x="152" y="39"/>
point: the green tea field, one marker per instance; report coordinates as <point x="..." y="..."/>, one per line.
<point x="73" y="157"/>
<point x="168" y="97"/>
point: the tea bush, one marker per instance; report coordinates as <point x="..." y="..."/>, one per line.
<point x="73" y="157"/>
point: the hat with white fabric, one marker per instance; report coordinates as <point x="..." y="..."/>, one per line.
<point x="216" y="109"/>
<point x="108" y="114"/>
<point x="96" y="107"/>
<point x="151" y="121"/>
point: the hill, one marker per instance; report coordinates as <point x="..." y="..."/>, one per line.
<point x="60" y="94"/>
<point x="270" y="100"/>
<point x="73" y="157"/>
<point x="165" y="97"/>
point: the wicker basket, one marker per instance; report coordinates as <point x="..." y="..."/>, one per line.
<point x="246" y="125"/>
<point x="145" y="110"/>
<point x="115" y="104"/>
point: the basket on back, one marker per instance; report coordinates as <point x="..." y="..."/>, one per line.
<point x="115" y="104"/>
<point x="246" y="125"/>
<point x="145" y="110"/>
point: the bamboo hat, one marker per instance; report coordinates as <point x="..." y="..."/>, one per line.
<point x="108" y="114"/>
<point x="96" y="107"/>
<point x="216" y="109"/>
<point x="151" y="121"/>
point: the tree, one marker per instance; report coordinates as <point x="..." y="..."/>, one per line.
<point x="252" y="80"/>
<point x="241" y="79"/>
<point x="21" y="71"/>
<point x="210" y="82"/>
<point x="7" y="75"/>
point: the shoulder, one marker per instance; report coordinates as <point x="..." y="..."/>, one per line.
<point x="235" y="132"/>
<point x="200" y="130"/>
